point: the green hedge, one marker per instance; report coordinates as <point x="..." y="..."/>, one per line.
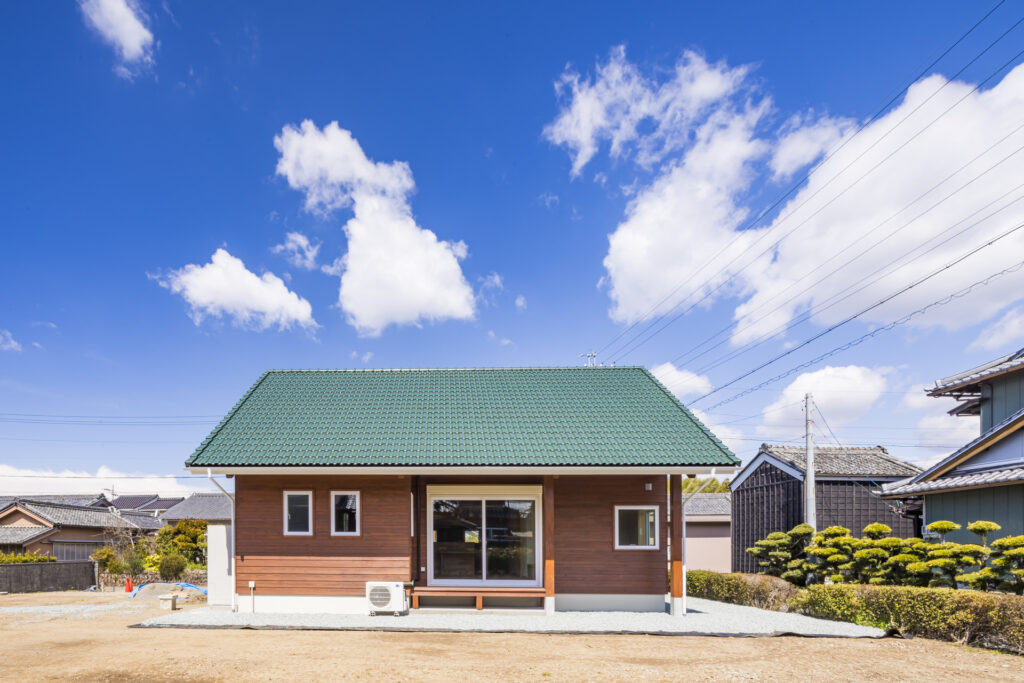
<point x="756" y="590"/>
<point x="994" y="620"/>
<point x="26" y="558"/>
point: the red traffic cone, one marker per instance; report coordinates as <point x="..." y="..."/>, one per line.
<point x="128" y="586"/>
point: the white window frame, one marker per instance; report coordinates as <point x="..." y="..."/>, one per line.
<point x="483" y="493"/>
<point x="657" y="527"/>
<point x="284" y="503"/>
<point x="359" y="513"/>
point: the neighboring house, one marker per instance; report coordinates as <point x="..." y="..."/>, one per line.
<point x="533" y="485"/>
<point x="983" y="480"/>
<point x="768" y="494"/>
<point x="67" y="532"/>
<point x="65" y="498"/>
<point x="158" y="506"/>
<point x="133" y="501"/>
<point x="708" y="532"/>
<point x="212" y="508"/>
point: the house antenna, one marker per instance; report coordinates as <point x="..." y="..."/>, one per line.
<point x="589" y="359"/>
<point x="810" y="513"/>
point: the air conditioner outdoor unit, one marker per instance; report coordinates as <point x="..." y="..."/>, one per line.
<point x="385" y="596"/>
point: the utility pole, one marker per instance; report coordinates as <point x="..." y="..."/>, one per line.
<point x="810" y="512"/>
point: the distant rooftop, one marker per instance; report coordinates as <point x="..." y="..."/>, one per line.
<point x="709" y="504"/>
<point x="967" y="383"/>
<point x="833" y="461"/>
<point x="211" y="507"/>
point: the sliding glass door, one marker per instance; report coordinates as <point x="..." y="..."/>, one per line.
<point x="484" y="537"/>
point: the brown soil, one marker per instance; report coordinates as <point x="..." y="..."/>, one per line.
<point x="99" y="646"/>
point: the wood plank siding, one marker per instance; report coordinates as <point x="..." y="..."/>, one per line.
<point x="320" y="564"/>
<point x="583" y="543"/>
<point x="772" y="500"/>
<point x="586" y="560"/>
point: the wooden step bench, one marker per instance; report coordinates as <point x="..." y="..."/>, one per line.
<point x="476" y="592"/>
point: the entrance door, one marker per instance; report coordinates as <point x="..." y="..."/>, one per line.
<point x="484" y="535"/>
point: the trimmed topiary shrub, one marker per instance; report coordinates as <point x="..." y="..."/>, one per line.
<point x="172" y="567"/>
<point x="25" y="558"/>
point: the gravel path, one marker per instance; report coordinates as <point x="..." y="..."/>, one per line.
<point x="704" y="618"/>
<point x="45" y="612"/>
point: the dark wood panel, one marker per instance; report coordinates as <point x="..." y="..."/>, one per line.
<point x="585" y="557"/>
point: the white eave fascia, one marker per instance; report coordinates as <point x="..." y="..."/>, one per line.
<point x="756" y="462"/>
<point x="473" y="469"/>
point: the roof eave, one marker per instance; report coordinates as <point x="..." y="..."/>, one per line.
<point x="463" y="469"/>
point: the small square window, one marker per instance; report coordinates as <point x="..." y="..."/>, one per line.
<point x="344" y="513"/>
<point x="298" y="513"/>
<point x="636" y="527"/>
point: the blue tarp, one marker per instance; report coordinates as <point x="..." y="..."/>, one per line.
<point x="161" y="583"/>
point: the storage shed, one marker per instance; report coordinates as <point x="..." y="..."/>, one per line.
<point x="768" y="494"/>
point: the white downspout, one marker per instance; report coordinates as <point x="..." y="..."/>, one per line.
<point x="682" y="521"/>
<point x="231" y="555"/>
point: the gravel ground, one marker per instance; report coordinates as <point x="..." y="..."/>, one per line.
<point x="704" y="617"/>
<point x="45" y="612"/>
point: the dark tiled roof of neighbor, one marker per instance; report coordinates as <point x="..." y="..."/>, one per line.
<point x="1013" y="362"/>
<point x="476" y="417"/>
<point x="833" y="461"/>
<point x="709" y="504"/>
<point x="206" y="506"/>
<point x="141" y="519"/>
<point x="161" y="504"/>
<point x="66" y="498"/>
<point x="133" y="502"/>
<point x="82" y="516"/>
<point x="16" y="535"/>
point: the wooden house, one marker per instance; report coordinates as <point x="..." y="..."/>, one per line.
<point x="542" y="486"/>
<point x="768" y="494"/>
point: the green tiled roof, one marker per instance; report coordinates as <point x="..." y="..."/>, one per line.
<point x="471" y="417"/>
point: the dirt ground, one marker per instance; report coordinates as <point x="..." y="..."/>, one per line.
<point x="79" y="636"/>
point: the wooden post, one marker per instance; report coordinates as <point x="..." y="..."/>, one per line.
<point x="675" y="488"/>
<point x="548" y="510"/>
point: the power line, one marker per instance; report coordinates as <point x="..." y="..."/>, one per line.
<point x="940" y="302"/>
<point x="873" y="306"/>
<point x="809" y="313"/>
<point x="818" y="165"/>
<point x="640" y="339"/>
<point x="200" y="477"/>
<point x="112" y="417"/>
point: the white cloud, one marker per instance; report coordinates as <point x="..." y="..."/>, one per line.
<point x="681" y="382"/>
<point x="730" y="435"/>
<point x="683" y="223"/>
<point x="501" y="341"/>
<point x="548" y="199"/>
<point x="17" y="481"/>
<point x="298" y="250"/>
<point x="395" y="272"/>
<point x="8" y="342"/>
<point x="803" y="141"/>
<point x="697" y="203"/>
<point x="937" y="433"/>
<point x="614" y="105"/>
<point x="121" y="25"/>
<point x="844" y="394"/>
<point x="1007" y="333"/>
<point x="520" y="303"/>
<point x="225" y="287"/>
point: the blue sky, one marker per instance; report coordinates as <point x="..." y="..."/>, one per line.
<point x="482" y="186"/>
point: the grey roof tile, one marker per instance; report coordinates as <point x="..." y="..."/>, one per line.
<point x="1011" y="362"/>
<point x="134" y="501"/>
<point x="88" y="517"/>
<point x="212" y="507"/>
<point x="17" y="535"/>
<point x="990" y="477"/>
<point x="709" y="504"/>
<point x="834" y="461"/>
<point x="161" y="504"/>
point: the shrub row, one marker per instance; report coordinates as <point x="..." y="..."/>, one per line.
<point x="990" y="620"/>
<point x="34" y="556"/>
<point x="803" y="557"/>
